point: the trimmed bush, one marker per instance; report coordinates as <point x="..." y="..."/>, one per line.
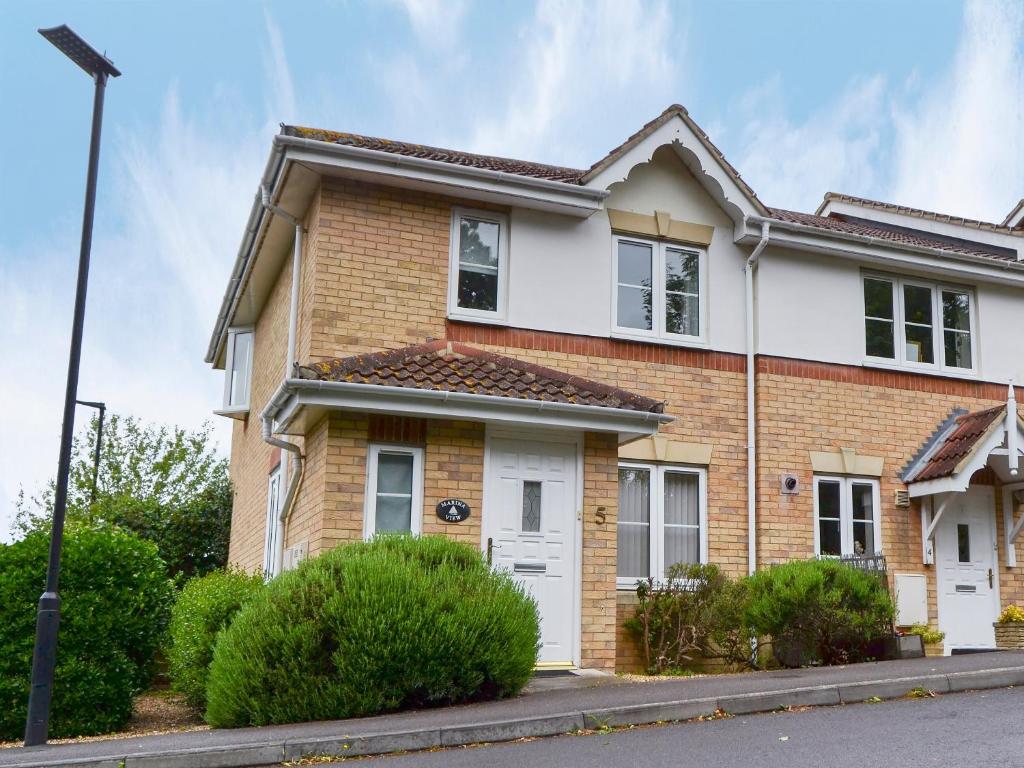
<point x="205" y="606"/>
<point x="819" y="611"/>
<point x="395" y="623"/>
<point x="115" y="603"/>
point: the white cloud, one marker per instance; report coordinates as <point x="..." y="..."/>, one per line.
<point x="436" y="23"/>
<point x="579" y="64"/>
<point x="960" y="147"/>
<point x="181" y="196"/>
<point x="954" y="143"/>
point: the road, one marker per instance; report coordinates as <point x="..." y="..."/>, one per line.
<point x="965" y="729"/>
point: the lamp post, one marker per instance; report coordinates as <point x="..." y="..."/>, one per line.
<point x="44" y="657"/>
<point x="102" y="408"/>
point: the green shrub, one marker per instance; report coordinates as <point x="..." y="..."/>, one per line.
<point x="675" y="616"/>
<point x="370" y="627"/>
<point x="115" y="602"/>
<point x="205" y="606"/>
<point x="819" y="611"/>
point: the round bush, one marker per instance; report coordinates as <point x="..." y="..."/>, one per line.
<point x="115" y="603"/>
<point x="395" y="623"/>
<point x="205" y="606"/>
<point x="819" y="611"/>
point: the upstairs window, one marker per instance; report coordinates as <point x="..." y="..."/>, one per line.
<point x="658" y="290"/>
<point x="238" y="373"/>
<point x="479" y="265"/>
<point x="918" y="324"/>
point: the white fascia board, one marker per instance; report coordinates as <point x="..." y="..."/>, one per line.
<point x="956" y="266"/>
<point x="978" y="234"/>
<point x="713" y="177"/>
<point x="447" y="178"/>
<point x="296" y="393"/>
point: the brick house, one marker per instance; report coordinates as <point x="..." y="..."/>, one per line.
<point x="618" y="368"/>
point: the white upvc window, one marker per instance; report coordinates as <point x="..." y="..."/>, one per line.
<point x="919" y="324"/>
<point x="238" y="370"/>
<point x="847" y="517"/>
<point x="659" y="290"/>
<point x="478" y="266"/>
<point x="394" y="490"/>
<point x="275" y="498"/>
<point x="662" y="520"/>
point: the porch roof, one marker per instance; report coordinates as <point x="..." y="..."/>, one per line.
<point x="964" y="443"/>
<point x="447" y="366"/>
<point x="442" y="379"/>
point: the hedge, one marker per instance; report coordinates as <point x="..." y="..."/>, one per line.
<point x="115" y="603"/>
<point x="204" y="608"/>
<point x="395" y="623"/>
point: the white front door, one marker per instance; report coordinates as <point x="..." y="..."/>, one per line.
<point x="530" y="516"/>
<point x="965" y="557"/>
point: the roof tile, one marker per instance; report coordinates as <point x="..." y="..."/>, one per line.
<point x="959" y="443"/>
<point x="454" y="367"/>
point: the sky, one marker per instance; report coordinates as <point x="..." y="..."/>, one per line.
<point x="920" y="103"/>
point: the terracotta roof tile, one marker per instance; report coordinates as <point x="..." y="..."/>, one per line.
<point x="913" y="238"/>
<point x="468" y="159"/>
<point x="454" y="367"/>
<point x="920" y="213"/>
<point x="959" y="443"/>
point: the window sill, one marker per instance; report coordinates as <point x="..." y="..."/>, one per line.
<point x="694" y="343"/>
<point x="954" y="373"/>
<point x="239" y="413"/>
<point x="462" y="317"/>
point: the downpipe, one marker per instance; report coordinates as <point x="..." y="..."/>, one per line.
<point x="297" y="468"/>
<point x="748" y="273"/>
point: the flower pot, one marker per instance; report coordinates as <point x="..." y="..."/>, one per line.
<point x="934" y="649"/>
<point x="1010" y="635"/>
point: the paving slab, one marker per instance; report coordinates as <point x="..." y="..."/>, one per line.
<point x="546" y="710"/>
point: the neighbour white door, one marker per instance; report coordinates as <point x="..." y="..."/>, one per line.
<point x="530" y="517"/>
<point x="965" y="557"/>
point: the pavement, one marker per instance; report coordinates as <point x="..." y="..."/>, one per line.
<point x="551" y="707"/>
<point x="980" y="730"/>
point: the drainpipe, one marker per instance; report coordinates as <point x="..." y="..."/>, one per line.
<point x="297" y="468"/>
<point x="1012" y="456"/>
<point x="748" y="273"/>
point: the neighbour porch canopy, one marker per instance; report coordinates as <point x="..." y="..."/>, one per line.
<point x="442" y="379"/>
<point x="962" y="445"/>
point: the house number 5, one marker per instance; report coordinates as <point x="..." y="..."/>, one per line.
<point x="599" y="515"/>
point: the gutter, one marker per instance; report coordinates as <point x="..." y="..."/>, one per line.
<point x="748" y="274"/>
<point x="293" y="386"/>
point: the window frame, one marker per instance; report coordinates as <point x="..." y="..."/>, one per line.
<point x="455" y="312"/>
<point x="938" y="327"/>
<point x="658" y="332"/>
<point x="656" y="558"/>
<point x="275" y="498"/>
<point x="370" y="497"/>
<point x="229" y="364"/>
<point x="846" y="483"/>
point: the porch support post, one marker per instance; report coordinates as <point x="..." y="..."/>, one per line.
<point x="929" y="524"/>
<point x="1011" y="527"/>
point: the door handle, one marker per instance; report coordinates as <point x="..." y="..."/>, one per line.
<point x="491" y="546"/>
<point x="990" y="578"/>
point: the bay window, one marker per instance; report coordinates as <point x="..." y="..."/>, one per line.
<point x="918" y="324"/>
<point x="662" y="520"/>
<point x="658" y="290"/>
<point x="847" y="520"/>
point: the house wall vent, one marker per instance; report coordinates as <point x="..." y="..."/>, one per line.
<point x="901" y="497"/>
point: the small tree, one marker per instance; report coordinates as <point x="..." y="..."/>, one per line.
<point x="166" y="484"/>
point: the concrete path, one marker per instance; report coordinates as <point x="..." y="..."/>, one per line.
<point x="548" y="710"/>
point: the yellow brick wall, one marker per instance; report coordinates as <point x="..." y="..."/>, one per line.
<point x="600" y="495"/>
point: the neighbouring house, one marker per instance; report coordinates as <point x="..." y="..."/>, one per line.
<point x="591" y="374"/>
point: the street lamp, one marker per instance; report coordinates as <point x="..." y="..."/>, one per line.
<point x="102" y="408"/>
<point x="44" y="657"/>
